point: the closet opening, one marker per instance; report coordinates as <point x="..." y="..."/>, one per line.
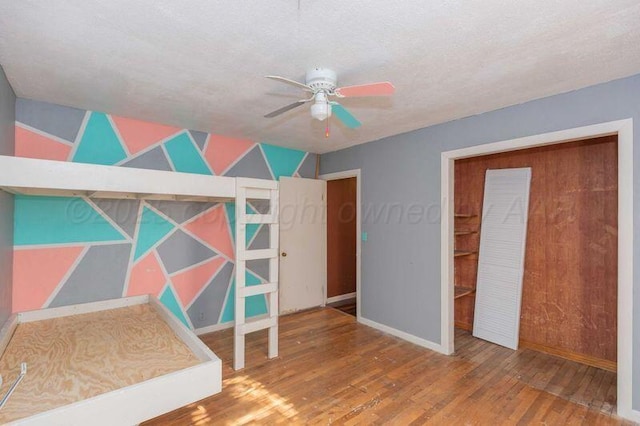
<point x="568" y="331"/>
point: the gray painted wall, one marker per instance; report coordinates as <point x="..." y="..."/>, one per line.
<point x="7" y="134"/>
<point x="401" y="259"/>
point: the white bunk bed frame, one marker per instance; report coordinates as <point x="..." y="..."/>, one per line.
<point x="58" y="178"/>
<point x="130" y="404"/>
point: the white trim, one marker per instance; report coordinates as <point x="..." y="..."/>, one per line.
<point x="213" y="328"/>
<point x="83" y="308"/>
<point x="624" y="130"/>
<point x="357" y="173"/>
<point x="341" y="297"/>
<point x="225" y="325"/>
<point x="633" y="415"/>
<point x="401" y="334"/>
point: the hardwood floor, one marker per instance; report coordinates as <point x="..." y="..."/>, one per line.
<point x="346" y="306"/>
<point x="333" y="370"/>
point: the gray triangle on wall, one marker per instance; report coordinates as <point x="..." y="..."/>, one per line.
<point x="100" y="275"/>
<point x="200" y="138"/>
<point x="206" y="309"/>
<point x="57" y="120"/>
<point x="308" y="167"/>
<point x="180" y="251"/>
<point x="252" y="165"/>
<point x="153" y="159"/>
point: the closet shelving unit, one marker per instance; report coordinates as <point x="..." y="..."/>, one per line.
<point x="463" y="231"/>
<point x="57" y="178"/>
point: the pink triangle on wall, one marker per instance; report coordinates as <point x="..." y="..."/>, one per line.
<point x="147" y="277"/>
<point x="33" y="145"/>
<point x="138" y="135"/>
<point x="222" y="152"/>
<point x="189" y="283"/>
<point x="213" y="228"/>
<point x="37" y="273"/>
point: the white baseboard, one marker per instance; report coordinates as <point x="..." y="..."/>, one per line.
<point x="218" y="327"/>
<point x="633" y="415"/>
<point x="213" y="328"/>
<point x="342" y="297"/>
<point x="404" y="336"/>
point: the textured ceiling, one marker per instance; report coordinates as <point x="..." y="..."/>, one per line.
<point x="200" y="64"/>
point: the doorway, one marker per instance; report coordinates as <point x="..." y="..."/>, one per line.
<point x="569" y="289"/>
<point x="624" y="131"/>
<point x="343" y="241"/>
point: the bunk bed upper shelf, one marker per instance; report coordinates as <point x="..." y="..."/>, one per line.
<point x="30" y="176"/>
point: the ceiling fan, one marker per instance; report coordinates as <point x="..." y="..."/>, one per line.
<point x="321" y="85"/>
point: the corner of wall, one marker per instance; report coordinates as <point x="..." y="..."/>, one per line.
<point x="7" y="147"/>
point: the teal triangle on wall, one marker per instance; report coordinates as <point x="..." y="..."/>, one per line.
<point x="231" y="215"/>
<point x="185" y="156"/>
<point x="153" y="228"/>
<point x="59" y="220"/>
<point x="169" y="300"/>
<point x="254" y="305"/>
<point x="283" y="161"/>
<point x="99" y="143"/>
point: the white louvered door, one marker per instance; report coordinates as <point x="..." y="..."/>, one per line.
<point x="501" y="256"/>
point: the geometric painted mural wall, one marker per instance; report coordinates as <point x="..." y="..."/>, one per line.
<point x="76" y="250"/>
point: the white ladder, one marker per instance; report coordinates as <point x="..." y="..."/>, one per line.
<point x="262" y="190"/>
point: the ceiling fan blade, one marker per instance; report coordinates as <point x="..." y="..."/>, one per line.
<point x="374" y="89"/>
<point x="345" y="116"/>
<point x="285" y="109"/>
<point x="290" y="82"/>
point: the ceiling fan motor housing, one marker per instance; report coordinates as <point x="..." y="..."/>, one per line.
<point x="322" y="79"/>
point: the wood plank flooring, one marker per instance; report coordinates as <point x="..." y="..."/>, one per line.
<point x="333" y="370"/>
<point x="346" y="306"/>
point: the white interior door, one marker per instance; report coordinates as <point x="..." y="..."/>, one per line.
<point x="505" y="213"/>
<point x="303" y="240"/>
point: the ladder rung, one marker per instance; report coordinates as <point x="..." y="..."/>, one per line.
<point x="260" y="218"/>
<point x="258" y="194"/>
<point x="262" y="324"/>
<point x="258" y="254"/>
<point x="250" y="183"/>
<point x="257" y="289"/>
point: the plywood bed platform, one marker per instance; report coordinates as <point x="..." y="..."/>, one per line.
<point x="121" y="361"/>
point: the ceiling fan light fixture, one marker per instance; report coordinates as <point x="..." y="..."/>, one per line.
<point x="321" y="109"/>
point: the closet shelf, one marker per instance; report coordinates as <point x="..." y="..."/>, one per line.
<point x="464" y="232"/>
<point x="460" y="253"/>
<point x="463" y="291"/>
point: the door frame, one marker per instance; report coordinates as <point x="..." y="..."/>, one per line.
<point x="343" y="175"/>
<point x="624" y="130"/>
